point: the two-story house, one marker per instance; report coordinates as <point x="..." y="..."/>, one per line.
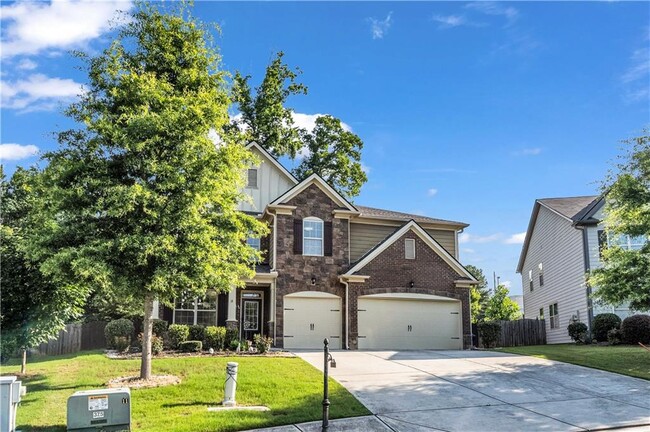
<point x="360" y="276"/>
<point x="563" y="243"/>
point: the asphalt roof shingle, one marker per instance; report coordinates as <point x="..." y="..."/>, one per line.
<point x="389" y="214"/>
<point x="569" y="207"/>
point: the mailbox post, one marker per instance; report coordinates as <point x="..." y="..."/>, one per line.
<point x="328" y="359"/>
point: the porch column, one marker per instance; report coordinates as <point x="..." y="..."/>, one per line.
<point x="231" y="321"/>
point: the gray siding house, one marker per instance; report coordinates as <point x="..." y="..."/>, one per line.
<point x="563" y="242"/>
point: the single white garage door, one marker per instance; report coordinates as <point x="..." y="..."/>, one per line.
<point x="310" y="317"/>
<point x="409" y="321"/>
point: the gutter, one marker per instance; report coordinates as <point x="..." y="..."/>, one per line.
<point x="347" y="315"/>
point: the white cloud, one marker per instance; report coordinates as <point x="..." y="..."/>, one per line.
<point x="379" y="27"/>
<point x="11" y="151"/>
<point x="470" y="238"/>
<point x="636" y="77"/>
<point x="449" y="21"/>
<point x="365" y="168"/>
<point x="32" y="27"/>
<point x="27" y="64"/>
<point x="432" y="192"/>
<point x="493" y="8"/>
<point x="516" y="238"/>
<point x="308" y="121"/>
<point x="506" y="283"/>
<point x="534" y="151"/>
<point x="37" y="93"/>
<point x="468" y="250"/>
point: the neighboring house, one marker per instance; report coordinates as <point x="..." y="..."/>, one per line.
<point x="564" y="240"/>
<point x="360" y="276"/>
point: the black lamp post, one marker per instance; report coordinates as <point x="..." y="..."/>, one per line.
<point x="326" y="402"/>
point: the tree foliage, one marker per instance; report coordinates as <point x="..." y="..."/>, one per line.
<point x="479" y="294"/>
<point x="625" y="274"/>
<point x="334" y="154"/>
<point x="32" y="308"/>
<point x="144" y="202"/>
<point x="500" y="307"/>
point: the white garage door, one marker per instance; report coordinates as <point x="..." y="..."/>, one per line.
<point x="409" y="321"/>
<point x="310" y="317"/>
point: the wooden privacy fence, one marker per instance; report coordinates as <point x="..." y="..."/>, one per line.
<point x="522" y="332"/>
<point x="74" y="338"/>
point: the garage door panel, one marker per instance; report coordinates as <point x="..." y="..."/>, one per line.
<point x="307" y="321"/>
<point x="408" y="324"/>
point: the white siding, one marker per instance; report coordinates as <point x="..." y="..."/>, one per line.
<point x="364" y="237"/>
<point x="271" y="184"/>
<point x="558" y="245"/>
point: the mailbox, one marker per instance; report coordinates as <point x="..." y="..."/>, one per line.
<point x="100" y="410"/>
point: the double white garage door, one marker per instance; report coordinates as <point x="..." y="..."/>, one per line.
<point x="385" y="321"/>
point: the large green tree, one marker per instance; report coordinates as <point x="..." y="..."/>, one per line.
<point x="334" y="154"/>
<point x="500" y="307"/>
<point x="143" y="201"/>
<point x="32" y="308"/>
<point x="625" y="274"/>
<point x="479" y="294"/>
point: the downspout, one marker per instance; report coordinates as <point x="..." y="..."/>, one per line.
<point x="585" y="256"/>
<point x="347" y="315"/>
<point x="274" y="284"/>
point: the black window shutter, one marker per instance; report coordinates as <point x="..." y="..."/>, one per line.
<point x="328" y="239"/>
<point x="297" y="236"/>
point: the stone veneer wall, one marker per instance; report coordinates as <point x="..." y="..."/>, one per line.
<point x="391" y="272"/>
<point x="295" y="271"/>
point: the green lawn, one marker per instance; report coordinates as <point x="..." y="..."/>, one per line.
<point x="291" y="388"/>
<point x="623" y="359"/>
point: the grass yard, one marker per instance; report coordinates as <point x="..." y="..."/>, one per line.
<point x="291" y="388"/>
<point x="623" y="359"/>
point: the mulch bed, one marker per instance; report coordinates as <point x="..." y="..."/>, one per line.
<point x="135" y="382"/>
<point x="115" y="355"/>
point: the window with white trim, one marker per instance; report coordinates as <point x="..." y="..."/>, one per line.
<point x="541" y="313"/>
<point x="627" y="242"/>
<point x="312" y="236"/>
<point x="252" y="178"/>
<point x="530" y="280"/>
<point x="193" y="310"/>
<point x="253" y="242"/>
<point x="541" y="275"/>
<point x="553" y="316"/>
<point x="409" y="249"/>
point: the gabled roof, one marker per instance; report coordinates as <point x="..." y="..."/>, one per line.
<point x="376" y="213"/>
<point x="273" y="161"/>
<point x="428" y="240"/>
<point x="317" y="180"/>
<point x="586" y="215"/>
<point x="568" y="208"/>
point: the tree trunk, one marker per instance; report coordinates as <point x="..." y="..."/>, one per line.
<point x="23" y="366"/>
<point x="147" y="330"/>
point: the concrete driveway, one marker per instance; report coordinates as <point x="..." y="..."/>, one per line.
<point x="487" y="391"/>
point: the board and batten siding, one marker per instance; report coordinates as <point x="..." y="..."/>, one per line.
<point x="623" y="311"/>
<point x="558" y="245"/>
<point x="364" y="237"/>
<point x="271" y="183"/>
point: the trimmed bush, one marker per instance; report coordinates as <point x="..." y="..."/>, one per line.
<point x="120" y="328"/>
<point x="156" y="343"/>
<point x="603" y="323"/>
<point x="232" y="335"/>
<point x="178" y="333"/>
<point x="578" y="331"/>
<point x="244" y="345"/>
<point x="635" y="329"/>
<point x="490" y="332"/>
<point x="160" y="327"/>
<point x="197" y="333"/>
<point x="191" y="346"/>
<point x="262" y="344"/>
<point x="233" y="345"/>
<point x="215" y="338"/>
<point x="615" y="337"/>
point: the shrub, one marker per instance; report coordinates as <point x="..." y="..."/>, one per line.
<point x="197" y="333"/>
<point x="156" y="343"/>
<point x="262" y="344"/>
<point x="178" y="333"/>
<point x="615" y="337"/>
<point x="578" y="331"/>
<point x="233" y="345"/>
<point x="603" y="323"/>
<point x="191" y="346"/>
<point x="636" y="328"/>
<point x="244" y="345"/>
<point x="231" y="335"/>
<point x="490" y="331"/>
<point x="160" y="327"/>
<point x="215" y="338"/>
<point x="121" y="328"/>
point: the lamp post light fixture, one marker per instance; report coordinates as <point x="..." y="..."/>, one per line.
<point x="329" y="361"/>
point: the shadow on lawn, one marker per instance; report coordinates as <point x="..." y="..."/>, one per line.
<point x="51" y="428"/>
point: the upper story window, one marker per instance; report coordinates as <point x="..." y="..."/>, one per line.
<point x="409" y="248"/>
<point x="252" y="178"/>
<point x="530" y="279"/>
<point x="627" y="242"/>
<point x="253" y="242"/>
<point x="541" y="274"/>
<point x="312" y="236"/>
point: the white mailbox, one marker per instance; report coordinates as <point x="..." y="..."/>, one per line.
<point x="100" y="410"/>
<point x="11" y="392"/>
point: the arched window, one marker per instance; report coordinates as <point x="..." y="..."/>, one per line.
<point x="312" y="236"/>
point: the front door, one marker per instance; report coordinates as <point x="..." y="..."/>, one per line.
<point x="251" y="314"/>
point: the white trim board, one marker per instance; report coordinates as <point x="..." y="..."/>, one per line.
<point x="272" y="159"/>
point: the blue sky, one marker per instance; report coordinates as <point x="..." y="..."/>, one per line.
<point x="468" y="111"/>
